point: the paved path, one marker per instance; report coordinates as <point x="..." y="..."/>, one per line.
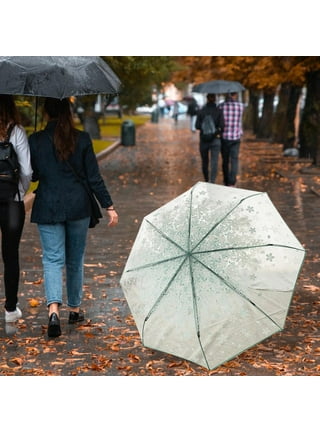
<point x="164" y="163"/>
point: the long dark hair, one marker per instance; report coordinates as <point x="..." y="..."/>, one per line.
<point x="65" y="133"/>
<point x="8" y="114"/>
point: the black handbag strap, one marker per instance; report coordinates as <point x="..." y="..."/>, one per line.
<point x="80" y="179"/>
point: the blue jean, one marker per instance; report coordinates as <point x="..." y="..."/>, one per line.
<point x="63" y="246"/>
<point x="214" y="149"/>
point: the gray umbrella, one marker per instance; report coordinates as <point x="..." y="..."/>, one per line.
<point x="58" y="77"/>
<point x="218" y="87"/>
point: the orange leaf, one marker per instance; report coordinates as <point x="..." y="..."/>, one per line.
<point x="134" y="358"/>
<point x="34" y="302"/>
<point x="115" y="347"/>
<point x="37" y="282"/>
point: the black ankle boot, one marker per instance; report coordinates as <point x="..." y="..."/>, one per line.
<point x="75" y="317"/>
<point x="54" y="328"/>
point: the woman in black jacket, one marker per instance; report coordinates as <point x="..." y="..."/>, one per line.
<point x="213" y="145"/>
<point x="62" y="208"/>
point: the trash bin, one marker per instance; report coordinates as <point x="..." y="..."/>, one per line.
<point x="155" y="116"/>
<point x="128" y="133"/>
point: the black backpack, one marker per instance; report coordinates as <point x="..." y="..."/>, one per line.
<point x="9" y="169"/>
<point x="208" y="128"/>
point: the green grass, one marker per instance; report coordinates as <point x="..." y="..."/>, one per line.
<point x="110" y="129"/>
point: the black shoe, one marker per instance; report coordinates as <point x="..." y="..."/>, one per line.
<point x="54" y="328"/>
<point x="75" y="317"/>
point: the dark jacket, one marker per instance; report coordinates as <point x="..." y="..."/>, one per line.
<point x="217" y="115"/>
<point x="193" y="108"/>
<point x="60" y="196"/>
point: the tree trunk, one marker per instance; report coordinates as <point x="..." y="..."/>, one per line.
<point x="265" y="124"/>
<point x="309" y="133"/>
<point x="284" y="130"/>
<point x="251" y="115"/>
<point x="280" y="123"/>
<point x="91" y="125"/>
<point x="291" y="139"/>
<point x="88" y="117"/>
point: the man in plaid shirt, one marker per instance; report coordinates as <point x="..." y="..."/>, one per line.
<point x="232" y="132"/>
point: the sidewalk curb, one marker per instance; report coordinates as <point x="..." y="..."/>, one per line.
<point x="101" y="155"/>
<point x="28" y="199"/>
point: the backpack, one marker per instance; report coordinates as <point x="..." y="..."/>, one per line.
<point x="9" y="169"/>
<point x="208" y="128"/>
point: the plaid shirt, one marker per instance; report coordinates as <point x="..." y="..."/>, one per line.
<point x="232" y="113"/>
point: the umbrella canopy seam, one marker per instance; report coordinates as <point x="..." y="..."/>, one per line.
<point x="225" y="216"/>
<point x="162" y="294"/>
<point x="249" y="247"/>
<point x="236" y="291"/>
<point x="195" y="311"/>
<point x="165" y="236"/>
<point x="153" y="264"/>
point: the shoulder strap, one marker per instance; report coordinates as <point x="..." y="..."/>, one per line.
<point x="9" y="131"/>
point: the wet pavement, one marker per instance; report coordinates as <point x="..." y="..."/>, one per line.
<point x="164" y="163"/>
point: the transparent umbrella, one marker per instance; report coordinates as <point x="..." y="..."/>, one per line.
<point x="211" y="273"/>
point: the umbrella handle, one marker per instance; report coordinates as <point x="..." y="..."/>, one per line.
<point x="36" y="114"/>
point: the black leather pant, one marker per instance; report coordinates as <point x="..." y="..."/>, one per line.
<point x="12" y="217"/>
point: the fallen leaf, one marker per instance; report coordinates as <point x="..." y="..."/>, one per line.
<point x="17" y="360"/>
<point x="33" y="302"/>
<point x="36" y="282"/>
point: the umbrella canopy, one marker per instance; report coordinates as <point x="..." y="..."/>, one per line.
<point x="211" y="273"/>
<point x="57" y="77"/>
<point x="218" y="87"/>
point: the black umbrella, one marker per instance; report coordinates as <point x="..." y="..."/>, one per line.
<point x="218" y="87"/>
<point x="56" y="76"/>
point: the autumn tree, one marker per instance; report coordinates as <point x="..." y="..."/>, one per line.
<point x="264" y="77"/>
<point x="139" y="74"/>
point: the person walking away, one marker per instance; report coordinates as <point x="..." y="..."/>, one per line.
<point x="61" y="208"/>
<point x="175" y="112"/>
<point x="210" y="145"/>
<point x="12" y="209"/>
<point x="232" y="111"/>
<point x="192" y="111"/>
<point x="161" y="106"/>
